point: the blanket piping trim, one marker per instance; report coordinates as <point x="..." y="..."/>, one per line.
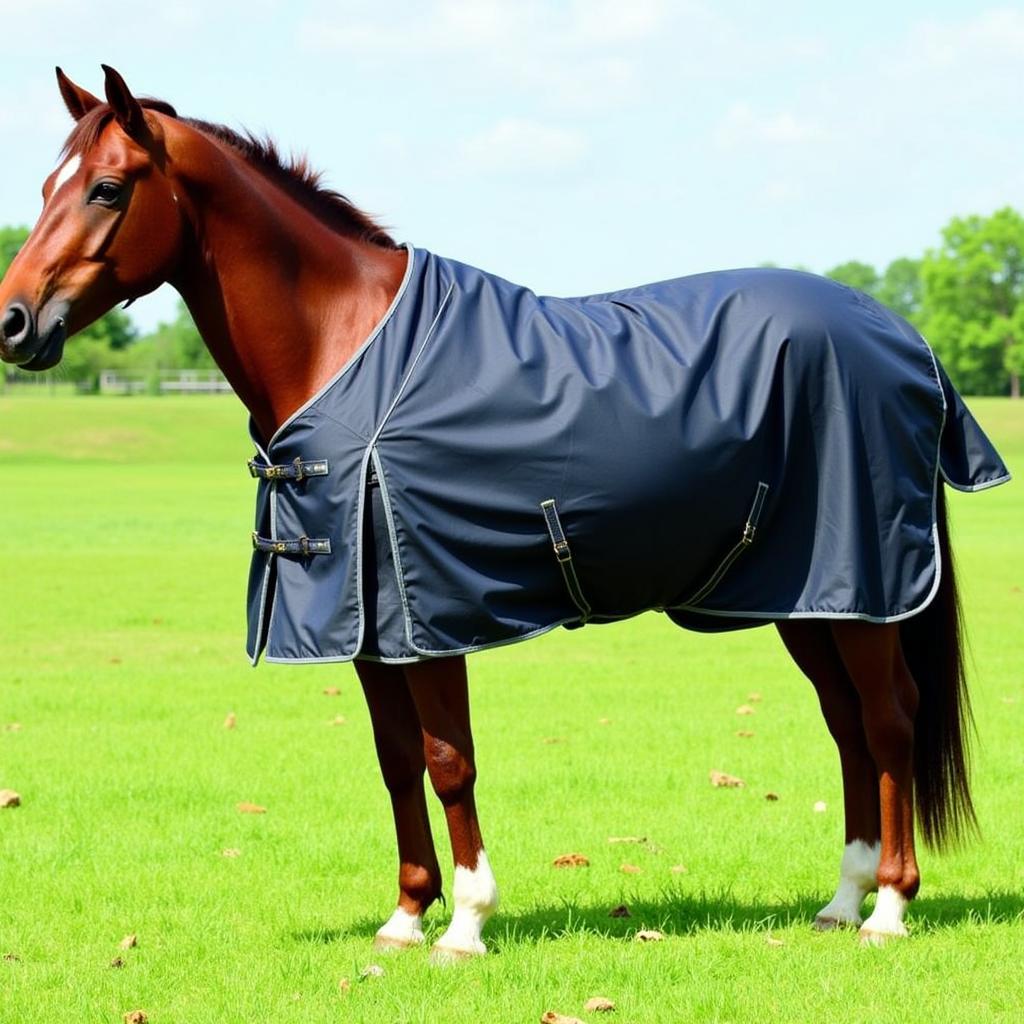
<point x="354" y="358"/>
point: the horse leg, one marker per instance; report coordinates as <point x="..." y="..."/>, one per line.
<point x="873" y="658"/>
<point x="396" y="734"/>
<point x="440" y="691"/>
<point x="811" y="646"/>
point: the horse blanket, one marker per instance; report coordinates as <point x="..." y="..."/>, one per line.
<point x="730" y="448"/>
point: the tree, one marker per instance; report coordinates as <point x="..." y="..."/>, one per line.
<point x="900" y="287"/>
<point x="855" y="274"/>
<point x="971" y="303"/>
<point x="11" y="240"/>
<point x="172" y="346"/>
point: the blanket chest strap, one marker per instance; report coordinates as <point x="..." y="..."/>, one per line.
<point x="296" y="470"/>
<point x="305" y="546"/>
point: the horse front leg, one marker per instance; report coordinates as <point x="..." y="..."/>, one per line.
<point x="440" y="692"/>
<point x="397" y="736"/>
<point x="873" y="657"/>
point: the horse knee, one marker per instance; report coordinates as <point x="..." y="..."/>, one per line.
<point x="452" y="773"/>
<point x="402" y="772"/>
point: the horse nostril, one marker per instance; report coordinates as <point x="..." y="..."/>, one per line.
<point x="16" y="322"/>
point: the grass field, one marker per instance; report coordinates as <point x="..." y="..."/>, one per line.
<point x="125" y="527"/>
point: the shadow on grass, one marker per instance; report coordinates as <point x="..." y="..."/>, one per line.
<point x="687" y="915"/>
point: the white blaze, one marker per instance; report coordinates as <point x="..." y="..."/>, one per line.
<point x="67" y="172"/>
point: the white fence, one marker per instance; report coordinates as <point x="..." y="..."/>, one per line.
<point x="164" y="382"/>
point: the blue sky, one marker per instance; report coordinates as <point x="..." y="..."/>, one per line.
<point x="574" y="146"/>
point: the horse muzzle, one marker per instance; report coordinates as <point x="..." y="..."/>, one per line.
<point x="33" y="343"/>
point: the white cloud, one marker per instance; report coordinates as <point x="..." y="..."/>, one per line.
<point x="455" y="25"/>
<point x="466" y="23"/>
<point x="444" y="26"/>
<point x="782" y="190"/>
<point x="993" y="35"/>
<point x="582" y="57"/>
<point x="743" y="126"/>
<point x="616" y="20"/>
<point x="519" y="145"/>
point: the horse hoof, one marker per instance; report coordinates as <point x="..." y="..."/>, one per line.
<point x="870" y="937"/>
<point x="392" y="943"/>
<point x="831" y="924"/>
<point x="445" y="956"/>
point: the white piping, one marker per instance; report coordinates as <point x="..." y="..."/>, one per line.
<point x="393" y="541"/>
<point x="382" y="480"/>
<point x="340" y="658"/>
<point x="970" y="488"/>
<point x="358" y="352"/>
<point x="360" y="539"/>
<point x="412" y="366"/>
<point x="273" y="536"/>
<point x="859" y="616"/>
<point x="254" y="654"/>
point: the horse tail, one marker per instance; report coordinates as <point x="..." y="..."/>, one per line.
<point x="932" y="644"/>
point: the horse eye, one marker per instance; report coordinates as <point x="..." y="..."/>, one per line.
<point x="105" y="193"/>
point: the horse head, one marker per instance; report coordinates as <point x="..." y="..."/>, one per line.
<point x="110" y="229"/>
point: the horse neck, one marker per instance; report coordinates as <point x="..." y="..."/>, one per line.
<point x="281" y="299"/>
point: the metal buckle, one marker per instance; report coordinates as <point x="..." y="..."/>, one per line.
<point x="562" y="552"/>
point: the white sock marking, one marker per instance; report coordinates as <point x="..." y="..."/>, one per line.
<point x="887" y="917"/>
<point x="67" y="172"/>
<point x="401" y="929"/>
<point x="856" y="879"/>
<point x="475" y="895"/>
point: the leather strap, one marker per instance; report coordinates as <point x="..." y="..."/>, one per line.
<point x="294" y="470"/>
<point x="563" y="554"/>
<point x="299" y="546"/>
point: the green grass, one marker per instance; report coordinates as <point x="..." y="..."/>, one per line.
<point x="125" y="528"/>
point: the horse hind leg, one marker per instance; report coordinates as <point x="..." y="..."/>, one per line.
<point x="396" y="733"/>
<point x="440" y="691"/>
<point x="812" y="647"/>
<point x="873" y="658"/>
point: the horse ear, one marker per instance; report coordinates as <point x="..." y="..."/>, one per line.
<point x="126" y="107"/>
<point x="79" y="101"/>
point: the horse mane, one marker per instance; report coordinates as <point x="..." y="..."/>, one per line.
<point x="293" y="175"/>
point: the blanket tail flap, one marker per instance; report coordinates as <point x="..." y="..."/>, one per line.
<point x="968" y="460"/>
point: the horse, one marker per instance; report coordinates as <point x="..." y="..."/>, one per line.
<point x="290" y="284"/>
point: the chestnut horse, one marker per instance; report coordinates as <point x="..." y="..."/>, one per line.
<point x="285" y="280"/>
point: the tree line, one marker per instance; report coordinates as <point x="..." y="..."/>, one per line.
<point x="966" y="296"/>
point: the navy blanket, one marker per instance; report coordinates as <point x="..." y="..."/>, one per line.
<point x="730" y="448"/>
